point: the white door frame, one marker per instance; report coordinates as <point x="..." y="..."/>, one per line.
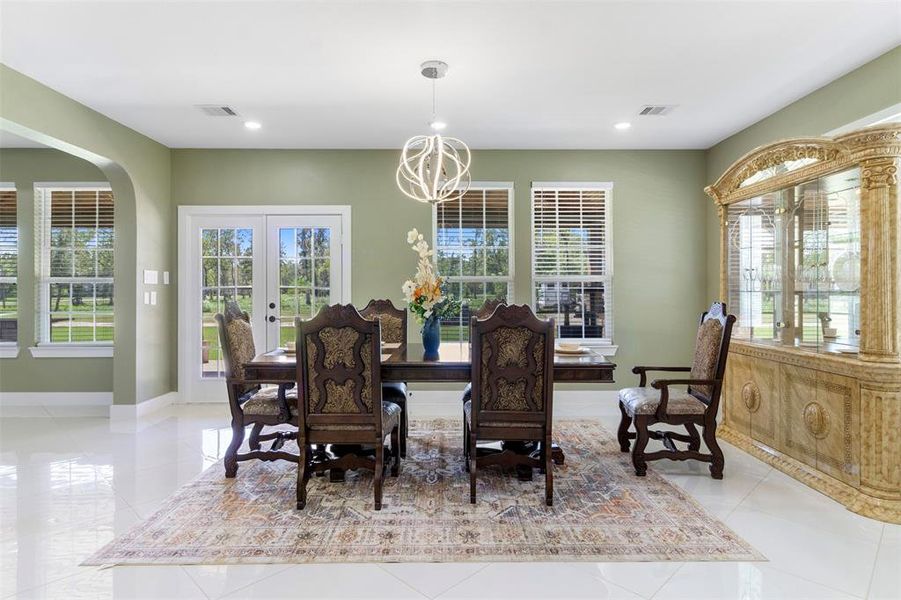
<point x="187" y="277"/>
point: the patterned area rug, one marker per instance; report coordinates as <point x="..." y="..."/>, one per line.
<point x="601" y="512"/>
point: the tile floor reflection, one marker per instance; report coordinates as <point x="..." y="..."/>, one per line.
<point x="69" y="485"/>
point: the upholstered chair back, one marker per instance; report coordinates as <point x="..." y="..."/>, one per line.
<point x="711" y="348"/>
<point x="236" y="339"/>
<point x="339" y="368"/>
<point x="393" y="320"/>
<point x="512" y="365"/>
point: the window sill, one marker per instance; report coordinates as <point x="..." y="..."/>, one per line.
<point x="9" y="350"/>
<point x="604" y="349"/>
<point x="71" y="351"/>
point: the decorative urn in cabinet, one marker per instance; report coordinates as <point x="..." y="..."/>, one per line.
<point x="810" y="263"/>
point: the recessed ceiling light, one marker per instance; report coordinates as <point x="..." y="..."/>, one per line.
<point x="623" y="126"/>
<point x="438" y="125"/>
<point x="252" y="125"/>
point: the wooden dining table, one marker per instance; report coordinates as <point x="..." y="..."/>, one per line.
<point x="409" y="363"/>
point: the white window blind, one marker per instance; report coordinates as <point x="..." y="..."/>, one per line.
<point x="9" y="265"/>
<point x="473" y="250"/>
<point x="75" y="226"/>
<point x="572" y="274"/>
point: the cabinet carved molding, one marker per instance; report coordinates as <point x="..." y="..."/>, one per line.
<point x="810" y="261"/>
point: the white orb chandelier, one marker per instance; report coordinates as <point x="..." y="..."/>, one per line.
<point x="434" y="168"/>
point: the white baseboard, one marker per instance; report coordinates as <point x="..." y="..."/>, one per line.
<point x="142" y="409"/>
<point x="55" y="404"/>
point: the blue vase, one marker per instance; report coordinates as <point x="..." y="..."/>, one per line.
<point x="431" y="335"/>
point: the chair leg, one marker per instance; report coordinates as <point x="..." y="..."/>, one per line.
<point x="641" y="442"/>
<point x="231" y="453"/>
<point x="548" y="474"/>
<point x="254" y="440"/>
<point x="379" y="469"/>
<point x="395" y="451"/>
<point x="472" y="469"/>
<point x="404" y="428"/>
<point x="695" y="444"/>
<point x="716" y="467"/>
<point x="465" y="444"/>
<point x="623" y="432"/>
<point x="303" y="475"/>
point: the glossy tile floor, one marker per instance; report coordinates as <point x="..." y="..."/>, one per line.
<point x="70" y="484"/>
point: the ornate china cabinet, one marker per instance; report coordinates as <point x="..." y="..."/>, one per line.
<point x="810" y="263"/>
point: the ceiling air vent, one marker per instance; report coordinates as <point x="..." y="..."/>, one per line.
<point x="655" y="110"/>
<point x="217" y="110"/>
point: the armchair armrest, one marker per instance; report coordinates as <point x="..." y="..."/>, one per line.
<point x="642" y="371"/>
<point x="663" y="386"/>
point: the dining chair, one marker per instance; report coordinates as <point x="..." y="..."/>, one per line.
<point x="483" y="312"/>
<point x="393" y="321"/>
<point x="249" y="401"/>
<point x="339" y="375"/>
<point x="512" y="392"/>
<point x="695" y="407"/>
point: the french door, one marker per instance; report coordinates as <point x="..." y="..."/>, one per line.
<point x="273" y="266"/>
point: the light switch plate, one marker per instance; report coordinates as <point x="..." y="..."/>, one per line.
<point x="165" y="277"/>
<point x="151" y="277"/>
<point x="153" y="298"/>
<point x="146" y="297"/>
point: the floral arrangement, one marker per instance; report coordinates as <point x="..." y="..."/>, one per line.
<point x="423" y="293"/>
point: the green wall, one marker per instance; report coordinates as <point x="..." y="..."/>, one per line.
<point x="658" y="257"/>
<point x="138" y="170"/>
<point x="26" y="374"/>
<point x="862" y="92"/>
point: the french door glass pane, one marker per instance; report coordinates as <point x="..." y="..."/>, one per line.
<point x="226" y="274"/>
<point x="304" y="275"/>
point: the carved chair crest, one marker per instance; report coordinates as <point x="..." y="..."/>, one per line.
<point x="339" y="366"/>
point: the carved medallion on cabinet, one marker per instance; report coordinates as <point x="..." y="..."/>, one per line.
<point x="735" y="410"/>
<point x="799" y="387"/>
<point x="835" y="423"/>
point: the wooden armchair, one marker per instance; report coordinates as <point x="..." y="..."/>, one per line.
<point x="393" y="322"/>
<point x="339" y="373"/>
<point x="697" y="406"/>
<point x="250" y="403"/>
<point x="512" y="392"/>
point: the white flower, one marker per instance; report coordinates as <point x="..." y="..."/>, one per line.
<point x="413" y="235"/>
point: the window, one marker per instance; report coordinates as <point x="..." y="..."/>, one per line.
<point x="76" y="231"/>
<point x="9" y="267"/>
<point x="572" y="273"/>
<point x="473" y="250"/>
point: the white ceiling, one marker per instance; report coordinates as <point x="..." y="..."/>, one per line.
<point x="522" y="74"/>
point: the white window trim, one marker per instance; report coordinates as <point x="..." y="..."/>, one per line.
<point x="46" y="348"/>
<point x="604" y="346"/>
<point x="511" y="262"/>
<point x="72" y="350"/>
<point x="11" y="349"/>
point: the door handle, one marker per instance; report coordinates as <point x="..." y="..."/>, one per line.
<point x="272" y="305"/>
<point x="273" y="318"/>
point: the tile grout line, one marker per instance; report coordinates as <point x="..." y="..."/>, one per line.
<point x="191" y="579"/>
<point x="465" y="579"/>
<point x="875" y="561"/>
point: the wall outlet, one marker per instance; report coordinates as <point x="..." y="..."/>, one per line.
<point x="146" y="297"/>
<point x="165" y="277"/>
<point x="153" y="298"/>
